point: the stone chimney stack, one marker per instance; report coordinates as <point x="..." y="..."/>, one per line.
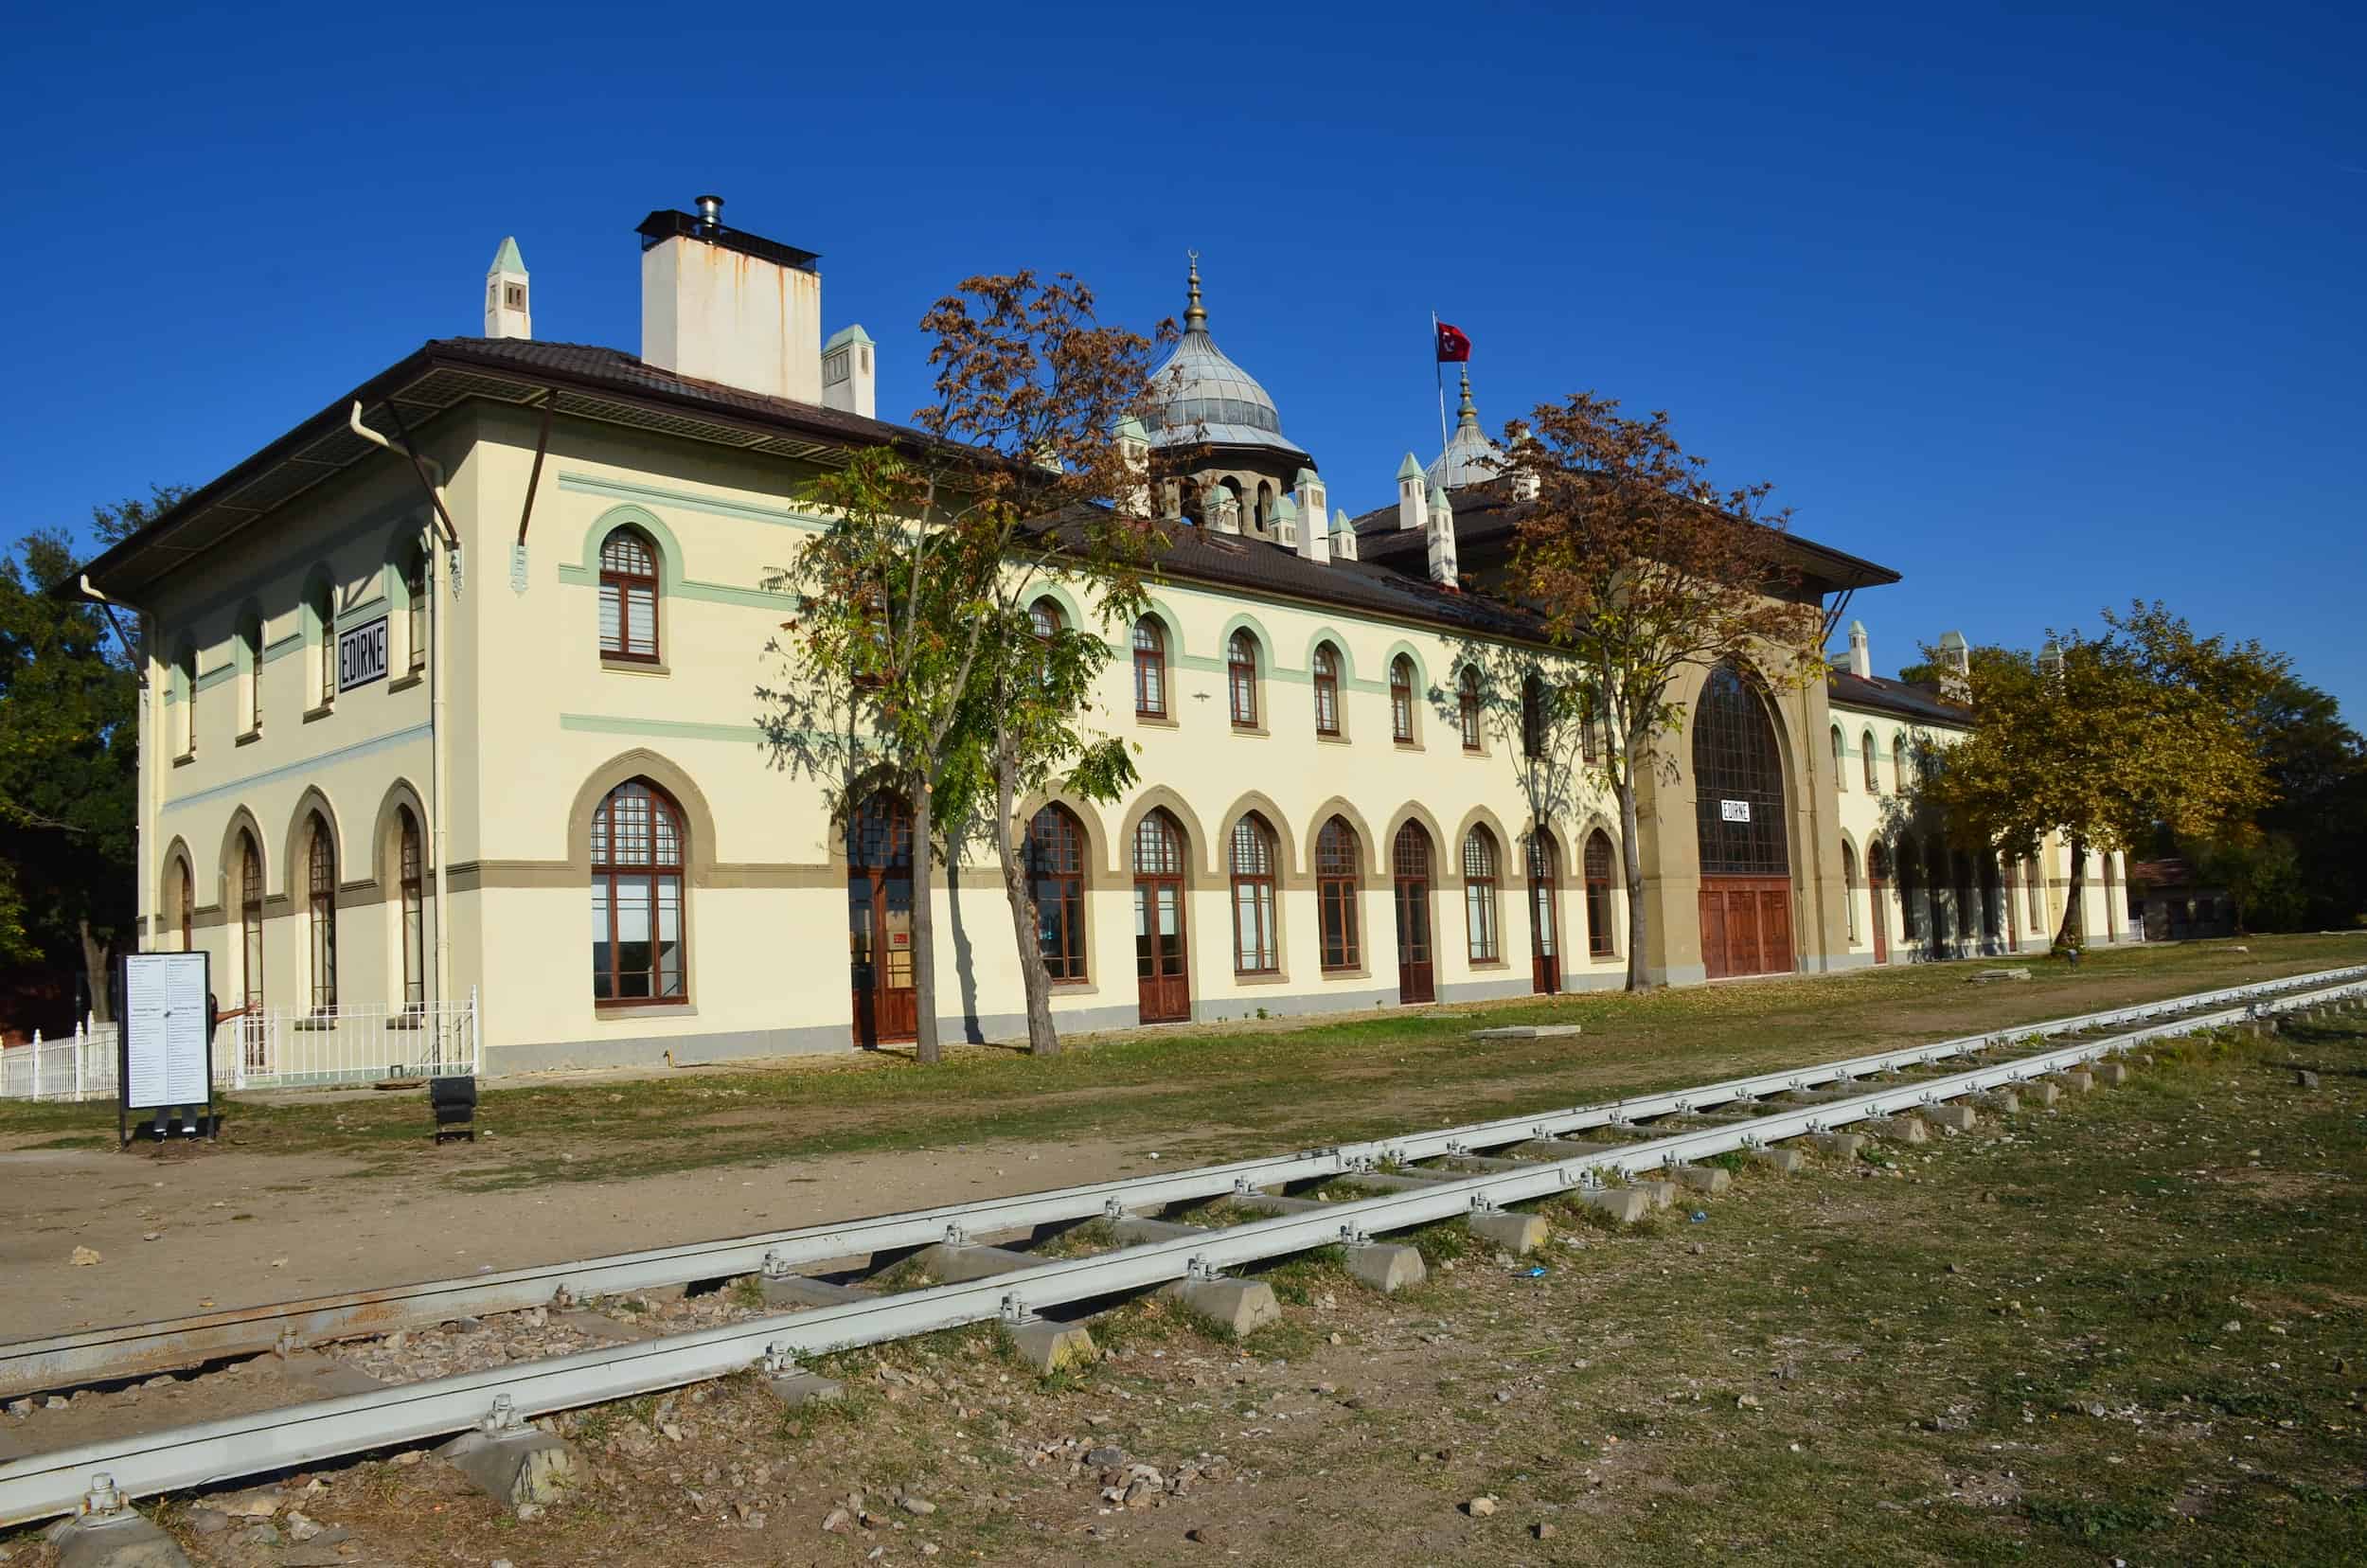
<point x="723" y="305"/>
<point x="849" y="374"/>
<point x="1444" y="569"/>
<point x="1860" y="658"/>
<point x="1413" y="508"/>
<point x="1315" y="509"/>
<point x="506" y="311"/>
<point x="1342" y="535"/>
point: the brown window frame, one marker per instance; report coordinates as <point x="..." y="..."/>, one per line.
<point x="1240" y="678"/>
<point x="1597" y="871"/>
<point x="251" y="947"/>
<point x="326" y="612"/>
<point x="1327" y="672"/>
<point x="609" y="873"/>
<point x="1483" y="869"/>
<point x="1262" y="954"/>
<point x="1401" y="699"/>
<point x="1150" y="668"/>
<point x="415" y="616"/>
<point x="1532" y="717"/>
<point x="625" y="581"/>
<point x="321" y="914"/>
<point x="1873" y="765"/>
<point x="411" y="886"/>
<point x="1467" y="699"/>
<point x="1055" y="857"/>
<point x="1339" y="888"/>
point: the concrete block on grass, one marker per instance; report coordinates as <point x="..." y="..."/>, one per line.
<point x="521" y="1466"/>
<point x="1963" y="1118"/>
<point x="1527" y="1031"/>
<point x="1787" y="1162"/>
<point x="1242" y="1306"/>
<point x="949" y="1264"/>
<point x="800" y="1388"/>
<point x="2039" y="1092"/>
<point x="1625" y="1205"/>
<point x="1659" y="1194"/>
<point x="803" y="1291"/>
<point x="2004" y="1102"/>
<point x="1135" y="1230"/>
<point x="2078" y="1079"/>
<point x="1838" y="1145"/>
<point x="1906" y="1130"/>
<point x="1710" y="1179"/>
<point x="1387" y="1266"/>
<point x="117" y="1539"/>
<point x="1048" y="1346"/>
<point x="2111" y="1074"/>
<point x="1518" y="1234"/>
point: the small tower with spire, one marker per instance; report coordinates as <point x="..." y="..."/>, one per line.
<point x="1444" y="569"/>
<point x="507" y="312"/>
<point x="1412" y="501"/>
<point x="1314" y="509"/>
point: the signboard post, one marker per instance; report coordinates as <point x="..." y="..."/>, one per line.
<point x="165" y="1041"/>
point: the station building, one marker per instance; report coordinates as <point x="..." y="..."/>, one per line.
<point x="451" y="693"/>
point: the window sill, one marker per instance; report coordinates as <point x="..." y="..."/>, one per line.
<point x="1489" y="964"/>
<point x="185" y="759"/>
<point x="1356" y="974"/>
<point x="321" y="712"/>
<point x="1260" y="977"/>
<point x="407" y="682"/>
<point x="1157" y="720"/>
<point x="247" y="738"/>
<point x="620" y="664"/>
<point x="1331" y="739"/>
<point x="1404" y="744"/>
<point x="1258" y="732"/>
<point x="678" y="1006"/>
<point x="317" y="1021"/>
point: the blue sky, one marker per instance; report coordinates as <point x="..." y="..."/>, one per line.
<point x="2045" y="312"/>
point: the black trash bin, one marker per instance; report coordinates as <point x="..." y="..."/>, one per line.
<point x="455" y="1103"/>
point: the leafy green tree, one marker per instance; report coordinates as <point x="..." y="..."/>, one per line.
<point x="2107" y="739"/>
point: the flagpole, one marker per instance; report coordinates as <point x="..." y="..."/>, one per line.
<point x="1438" y="374"/>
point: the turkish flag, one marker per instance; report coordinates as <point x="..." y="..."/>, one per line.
<point x="1454" y="347"/>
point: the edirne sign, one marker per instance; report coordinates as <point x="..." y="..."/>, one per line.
<point x="1733" y="810"/>
<point x="361" y="654"/>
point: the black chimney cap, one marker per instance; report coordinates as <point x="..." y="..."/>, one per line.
<point x="667" y="223"/>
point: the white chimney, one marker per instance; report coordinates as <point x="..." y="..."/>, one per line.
<point x="1443" y="568"/>
<point x="1135" y="452"/>
<point x="848" y="377"/>
<point x="1315" y="538"/>
<point x="1286" y="522"/>
<point x="1955" y="668"/>
<point x="1412" y="511"/>
<point x="1223" y="510"/>
<point x="1860" y="657"/>
<point x="1342" y="535"/>
<point x="506" y="313"/>
<point x="721" y="305"/>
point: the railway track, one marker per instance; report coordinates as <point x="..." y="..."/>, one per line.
<point x="1418" y="1179"/>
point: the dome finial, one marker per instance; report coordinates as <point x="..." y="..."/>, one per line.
<point x="1466" y="412"/>
<point x="1195" y="318"/>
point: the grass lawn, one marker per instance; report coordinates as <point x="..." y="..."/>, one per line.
<point x="1207" y="1091"/>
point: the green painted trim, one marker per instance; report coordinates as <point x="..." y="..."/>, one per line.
<point x="1070" y="610"/>
<point x="215" y="676"/>
<point x="292" y="643"/>
<point x="364" y="612"/>
<point x="1256" y="628"/>
<point x="668" y="547"/>
<point x="624" y="489"/>
<point x="1347" y="658"/>
<point x="692" y="589"/>
<point x="358" y="748"/>
<point x="664" y="729"/>
<point x="1421" y="671"/>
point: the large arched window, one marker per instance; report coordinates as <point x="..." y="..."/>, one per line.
<point x="1151" y="669"/>
<point x="1739" y="780"/>
<point x="408" y="861"/>
<point x="1056" y="872"/>
<point x="321" y="916"/>
<point x="637" y="858"/>
<point x="1479" y="895"/>
<point x="1840" y="757"/>
<point x="1873" y="779"/>
<point x="1466" y="705"/>
<point x="1849" y="878"/>
<point x="1240" y="656"/>
<point x="1338" y="881"/>
<point x="1544" y="910"/>
<point x="181" y="897"/>
<point x="629" y="578"/>
<point x="1532" y="717"/>
<point x="1045" y="619"/>
<point x="251" y="946"/>
<point x="1251" y="852"/>
<point x="1401" y="699"/>
<point x="1326" y="690"/>
<point x="1600" y="943"/>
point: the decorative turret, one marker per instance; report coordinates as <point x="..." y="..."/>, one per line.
<point x="1286" y="522"/>
<point x="1955" y="668"/>
<point x="506" y="313"/>
<point x="849" y="374"/>
<point x="1314" y="541"/>
<point x="1860" y="655"/>
<point x="1342" y="535"/>
<point x="1223" y="510"/>
<point x="1133" y="444"/>
<point x="1412" y="501"/>
<point x="1444" y="570"/>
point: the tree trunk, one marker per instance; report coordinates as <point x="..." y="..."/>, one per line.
<point x="1631" y="862"/>
<point x="1042" y="1039"/>
<point x="2073" y="931"/>
<point x="925" y="1043"/>
<point x="96" y="966"/>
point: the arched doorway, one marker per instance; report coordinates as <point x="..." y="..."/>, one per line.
<point x="1544" y="915"/>
<point x="880" y="920"/>
<point x="1878" y="884"/>
<point x="1746" y="860"/>
<point x="1409" y="860"/>
<point x="1159" y="968"/>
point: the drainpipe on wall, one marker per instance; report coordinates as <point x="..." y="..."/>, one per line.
<point x="432" y="475"/>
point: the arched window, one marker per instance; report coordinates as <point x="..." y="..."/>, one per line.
<point x="321" y="916"/>
<point x="1593" y="731"/>
<point x="1401" y="699"/>
<point x="1326" y="690"/>
<point x="1849" y="875"/>
<point x="638" y="859"/>
<point x="1479" y="895"/>
<point x="414" y="608"/>
<point x="251" y="946"/>
<point x="1600" y="943"/>
<point x="185" y="688"/>
<point x="1265" y="507"/>
<point x="1898" y="762"/>
<point x="1253" y="946"/>
<point x="1240" y="658"/>
<point x="1056" y="872"/>
<point x="1158" y="845"/>
<point x="1910" y="884"/>
<point x="250" y="672"/>
<point x="1338" y="881"/>
<point x="2037" y="898"/>
<point x="629" y="596"/>
<point x="1841" y="756"/>
<point x="1739" y="780"/>
<point x="1467" y="702"/>
<point x="1532" y="717"/>
<point x="181" y="896"/>
<point x="1151" y="669"/>
<point x="1873" y="781"/>
<point x="322" y="606"/>
<point x="408" y="861"/>
<point x="1045" y="617"/>
<point x="1544" y="910"/>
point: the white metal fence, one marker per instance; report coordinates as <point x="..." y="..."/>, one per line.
<point x="277" y="1048"/>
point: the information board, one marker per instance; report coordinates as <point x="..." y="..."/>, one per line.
<point x="167" y="1051"/>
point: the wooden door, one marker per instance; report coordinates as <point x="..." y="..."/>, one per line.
<point x="1166" y="991"/>
<point x="1544" y="920"/>
<point x="1411" y="856"/>
<point x="1877" y="900"/>
<point x="1746" y="926"/>
<point x="885" y="1002"/>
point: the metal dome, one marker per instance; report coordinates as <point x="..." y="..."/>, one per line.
<point x="1203" y="395"/>
<point x="1470" y="457"/>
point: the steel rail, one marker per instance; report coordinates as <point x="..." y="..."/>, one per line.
<point x="44" y="1484"/>
<point x="66" y="1361"/>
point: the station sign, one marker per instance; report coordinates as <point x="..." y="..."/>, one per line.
<point x="1733" y="810"/>
<point x="361" y="654"/>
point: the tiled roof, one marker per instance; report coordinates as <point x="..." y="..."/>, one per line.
<point x="1896" y="697"/>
